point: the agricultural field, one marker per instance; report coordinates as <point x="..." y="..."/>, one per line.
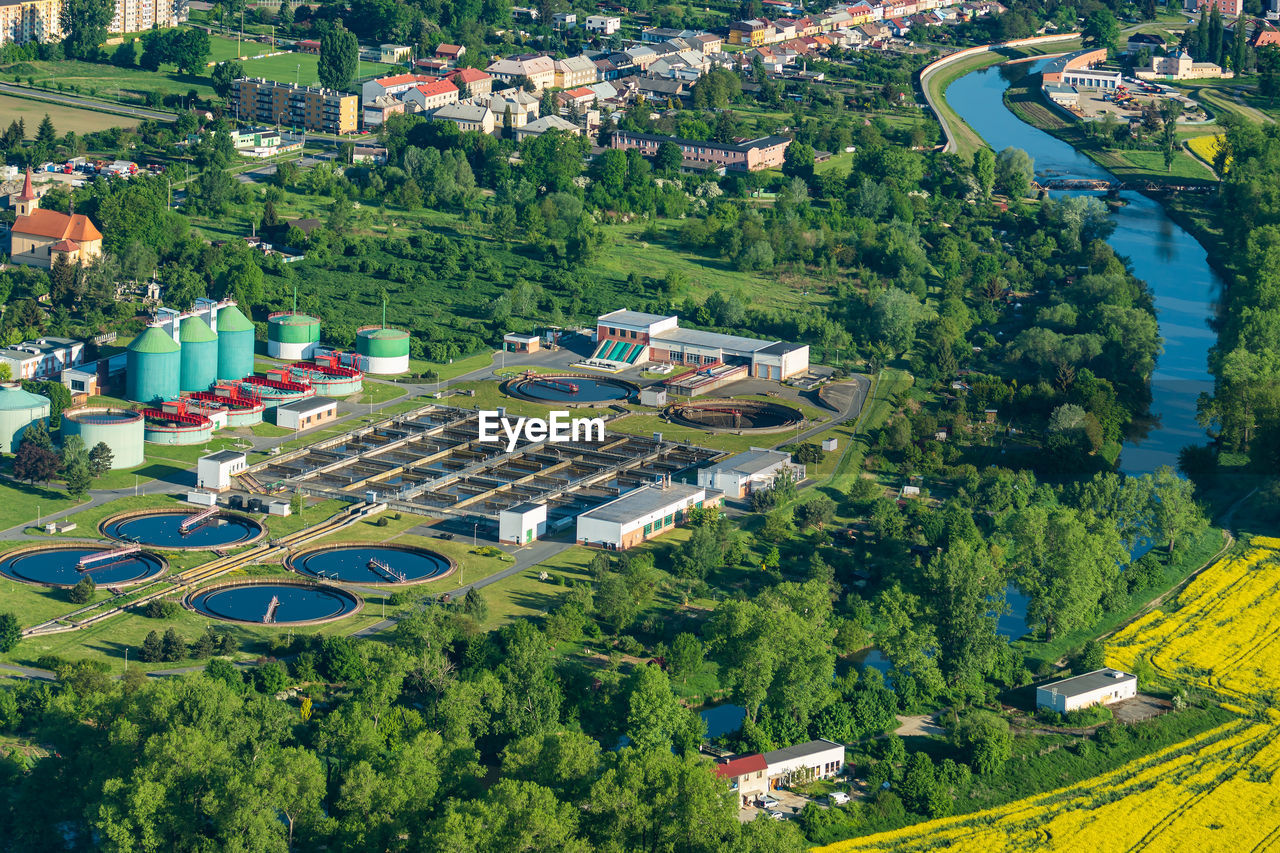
<point x="1217" y="791"/>
<point x="1224" y="634"/>
<point x="1205" y="147"/>
<point x="64" y="118"/>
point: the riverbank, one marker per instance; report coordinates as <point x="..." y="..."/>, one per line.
<point x="1026" y="100"/>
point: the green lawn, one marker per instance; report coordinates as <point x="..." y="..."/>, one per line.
<point x="303" y="68"/>
<point x="20" y="503"/>
<point x="1149" y="165"/>
<point x="377" y="392"/>
<point x="64" y="118"/>
<point x="103" y="80"/>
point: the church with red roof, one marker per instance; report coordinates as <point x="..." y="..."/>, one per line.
<point x="40" y="237"/>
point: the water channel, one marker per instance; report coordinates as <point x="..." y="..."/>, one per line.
<point x="1169" y="259"/>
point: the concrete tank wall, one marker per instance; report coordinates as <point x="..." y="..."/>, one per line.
<point x="120" y="429"/>
<point x="199" y="357"/>
<point x="235" y="344"/>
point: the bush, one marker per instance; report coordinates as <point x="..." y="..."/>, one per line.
<point x="162" y="608"/>
<point x="82" y="592"/>
<point x="271" y="677"/>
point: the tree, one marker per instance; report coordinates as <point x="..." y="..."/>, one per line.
<point x="815" y="512"/>
<point x="1268" y="62"/>
<point x="224" y="73"/>
<point x="984" y="737"/>
<point x="172" y="646"/>
<point x="1215" y="35"/>
<point x="984" y="169"/>
<point x="1169" y="144"/>
<point x="82" y="592"/>
<point x="1174" y="507"/>
<point x="474" y="605"/>
<point x="797" y="161"/>
<point x="1201" y="48"/>
<point x="685" y="656"/>
<point x="668" y="158"/>
<point x="76" y="470"/>
<point x="1240" y="46"/>
<point x="84" y="27"/>
<point x="1101" y="30"/>
<point x="34" y="462"/>
<point x="10" y="632"/>
<point x="100" y="459"/>
<point x="614" y="602"/>
<point x="655" y="719"/>
<point x="125" y="55"/>
<point x="919" y="783"/>
<point x="152" y="650"/>
<point x="339" y="52"/>
<point x="1014" y="172"/>
<point x="46" y="134"/>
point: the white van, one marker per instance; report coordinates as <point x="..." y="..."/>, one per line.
<point x="837" y="798"/>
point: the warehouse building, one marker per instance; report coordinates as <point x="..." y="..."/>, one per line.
<point x="641" y="514"/>
<point x="630" y="338"/>
<point x="1100" y="687"/>
<point x="307" y="413"/>
<point x="739" y="476"/>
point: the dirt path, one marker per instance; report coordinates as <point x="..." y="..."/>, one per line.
<point x="919" y="725"/>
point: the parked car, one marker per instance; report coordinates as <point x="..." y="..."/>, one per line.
<point x="773" y="814"/>
<point x="766" y="802"/>
<point x="837" y="798"/>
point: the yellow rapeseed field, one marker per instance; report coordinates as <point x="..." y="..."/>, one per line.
<point x="1206" y="147"/>
<point x="1217" y="791"/>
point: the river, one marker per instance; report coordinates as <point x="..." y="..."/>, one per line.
<point x="1174" y="265"/>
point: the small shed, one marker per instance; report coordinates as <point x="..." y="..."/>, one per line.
<point x="829" y="444"/>
<point x="216" y="471"/>
<point x="653" y="396"/>
<point x="514" y="342"/>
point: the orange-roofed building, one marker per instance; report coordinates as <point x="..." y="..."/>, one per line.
<point x="39" y="237"/>
<point x="477" y="83"/>
<point x="747" y="775"/>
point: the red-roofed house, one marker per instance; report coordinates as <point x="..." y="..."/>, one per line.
<point x="747" y="776"/>
<point x="431" y="96"/>
<point x="39" y="237"/>
<point x="477" y="83"/>
<point x="582" y="97"/>
<point x="1262" y="38"/>
<point x="308" y="46"/>
<point x="392" y="85"/>
<point x="450" y="53"/>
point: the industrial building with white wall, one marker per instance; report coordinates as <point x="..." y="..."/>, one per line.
<point x="641" y="514"/>
<point x="216" y="471"/>
<point x="1100" y="687"/>
<point x="121" y="430"/>
<point x="740" y="475"/>
<point x="522" y="524"/>
<point x="306" y="414"/>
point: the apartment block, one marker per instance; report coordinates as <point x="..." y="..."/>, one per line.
<point x="307" y="107"/>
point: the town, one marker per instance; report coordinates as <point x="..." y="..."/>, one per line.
<point x="757" y="426"/>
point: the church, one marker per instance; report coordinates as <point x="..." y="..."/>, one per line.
<point x="40" y="237"/>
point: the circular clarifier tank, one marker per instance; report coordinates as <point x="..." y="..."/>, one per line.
<point x="65" y="565"/>
<point x="736" y="415"/>
<point x="275" y="603"/>
<point x="371" y="565"/>
<point x="182" y="530"/>
<point x="568" y="388"/>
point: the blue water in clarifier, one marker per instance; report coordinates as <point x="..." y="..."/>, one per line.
<point x="351" y="564"/>
<point x="162" y="530"/>
<point x="251" y="603"/>
<point x="61" y="566"/>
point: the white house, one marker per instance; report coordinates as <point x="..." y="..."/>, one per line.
<point x="1100" y="687"/>
<point x="817" y="759"/>
<point x="740" y="475"/>
<point x="216" y="470"/>
<point x="522" y="524"/>
<point x="603" y="25"/>
<point x="641" y="514"/>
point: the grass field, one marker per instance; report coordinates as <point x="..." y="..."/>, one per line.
<point x="64" y="118"/>
<point x="21" y="503"/>
<point x="104" y="80"/>
<point x="303" y="68"/>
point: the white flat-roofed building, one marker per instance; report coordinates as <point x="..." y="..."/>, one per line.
<point x="1100" y="687"/>
<point x="522" y="524"/>
<point x="740" y="475"/>
<point x="641" y="514"/>
<point x="817" y="759"/>
<point x="604" y="25"/>
<point x="1090" y="78"/>
<point x="306" y="414"/>
<point x="42" y="358"/>
<point x="216" y="471"/>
